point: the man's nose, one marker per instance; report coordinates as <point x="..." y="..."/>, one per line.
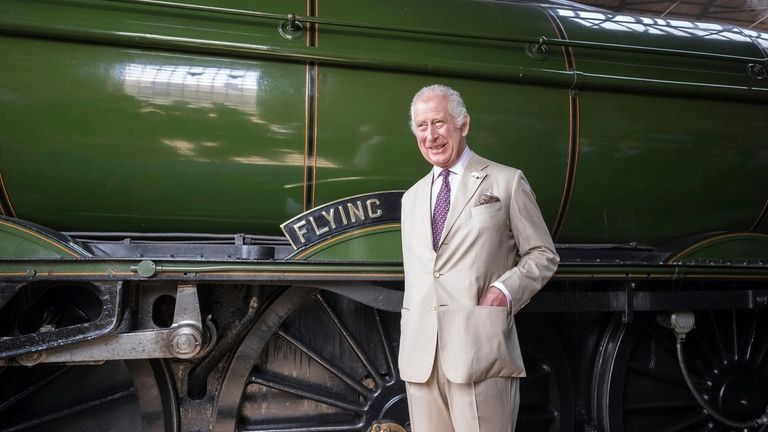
<point x="431" y="133"/>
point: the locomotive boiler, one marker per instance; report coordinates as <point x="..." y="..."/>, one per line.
<point x="199" y="210"/>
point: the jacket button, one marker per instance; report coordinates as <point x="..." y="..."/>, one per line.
<point x="434" y="307"/>
<point x="436" y="274"/>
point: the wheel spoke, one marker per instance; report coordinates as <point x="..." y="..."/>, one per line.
<point x="386" y="347"/>
<point x="295" y="428"/>
<point x="734" y="335"/>
<point x="761" y="355"/>
<point x="684" y="424"/>
<point x="676" y="380"/>
<point x="32" y="388"/>
<point x="352" y="342"/>
<point x="362" y="390"/>
<point x="538" y="358"/>
<point x="715" y="330"/>
<point x="675" y="404"/>
<point x="695" y="364"/>
<point x="541" y="371"/>
<point x="751" y="336"/>
<point x="305" y="391"/>
<point x="763" y="350"/>
<point x="705" y="349"/>
<point x="533" y="415"/>
<point x="69" y="411"/>
<point x="664" y="339"/>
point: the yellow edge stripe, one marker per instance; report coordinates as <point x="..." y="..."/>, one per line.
<point x="309" y="13"/>
<point x="45" y="239"/>
<point x="344" y="236"/>
<point x="315" y="101"/>
<point x="573" y="154"/>
<point x="317" y="26"/>
<point x="306" y="130"/>
<point x="704" y="242"/>
<point x="760" y="217"/>
<point x="573" y="141"/>
<point x="7" y="199"/>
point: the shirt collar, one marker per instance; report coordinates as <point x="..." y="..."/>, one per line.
<point x="458" y="167"/>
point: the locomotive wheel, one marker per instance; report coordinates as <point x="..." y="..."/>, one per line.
<point x="639" y="386"/>
<point x="546" y="393"/>
<point x="316" y="361"/>
<point x="121" y="396"/>
<point x="115" y="396"/>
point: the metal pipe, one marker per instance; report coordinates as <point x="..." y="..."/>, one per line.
<point x="517" y="39"/>
<point x="557" y="78"/>
<point x="652" y="50"/>
<point x="760" y="421"/>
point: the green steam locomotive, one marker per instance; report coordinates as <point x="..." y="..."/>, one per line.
<point x="199" y="210"/>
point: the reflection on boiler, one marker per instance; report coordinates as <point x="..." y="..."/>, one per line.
<point x="675" y="27"/>
<point x="194" y="85"/>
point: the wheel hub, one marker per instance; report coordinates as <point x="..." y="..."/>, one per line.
<point x="386" y="426"/>
<point x="641" y="388"/>
<point x="741" y="394"/>
<point x="390" y="406"/>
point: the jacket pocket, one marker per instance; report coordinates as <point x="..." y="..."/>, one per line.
<point x="486" y="208"/>
<point x="486" y="213"/>
<point x="479" y="342"/>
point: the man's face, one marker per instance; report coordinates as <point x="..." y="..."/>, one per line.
<point x="440" y="140"/>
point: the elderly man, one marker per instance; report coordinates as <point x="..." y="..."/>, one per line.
<point x="475" y="249"/>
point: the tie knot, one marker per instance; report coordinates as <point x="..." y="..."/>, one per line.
<point x="445" y="173"/>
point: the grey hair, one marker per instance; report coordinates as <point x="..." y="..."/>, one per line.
<point x="455" y="103"/>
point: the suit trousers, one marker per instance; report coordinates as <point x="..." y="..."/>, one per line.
<point x="439" y="405"/>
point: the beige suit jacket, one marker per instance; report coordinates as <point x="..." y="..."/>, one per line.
<point x="505" y="241"/>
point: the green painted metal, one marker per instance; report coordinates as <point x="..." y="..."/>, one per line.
<point x="651" y="169"/>
<point x="371" y="144"/>
<point x="378" y="244"/>
<point x="20" y="242"/>
<point x="730" y="248"/>
<point x="135" y="154"/>
<point x="144" y="116"/>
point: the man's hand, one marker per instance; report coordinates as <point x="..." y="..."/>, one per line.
<point x="493" y="297"/>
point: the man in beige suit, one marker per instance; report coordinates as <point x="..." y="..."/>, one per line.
<point x="475" y="250"/>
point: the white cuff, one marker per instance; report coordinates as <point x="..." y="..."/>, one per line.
<point x="504" y="290"/>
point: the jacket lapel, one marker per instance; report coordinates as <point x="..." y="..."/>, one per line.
<point x="423" y="211"/>
<point x="470" y="180"/>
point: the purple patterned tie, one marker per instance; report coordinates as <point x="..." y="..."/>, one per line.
<point x="442" y="205"/>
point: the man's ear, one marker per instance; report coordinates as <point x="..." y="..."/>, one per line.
<point x="465" y="126"/>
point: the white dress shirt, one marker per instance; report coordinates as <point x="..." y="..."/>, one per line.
<point x="457" y="170"/>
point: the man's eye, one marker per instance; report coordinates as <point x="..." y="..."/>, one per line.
<point x="439" y="124"/>
<point x="421" y="126"/>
